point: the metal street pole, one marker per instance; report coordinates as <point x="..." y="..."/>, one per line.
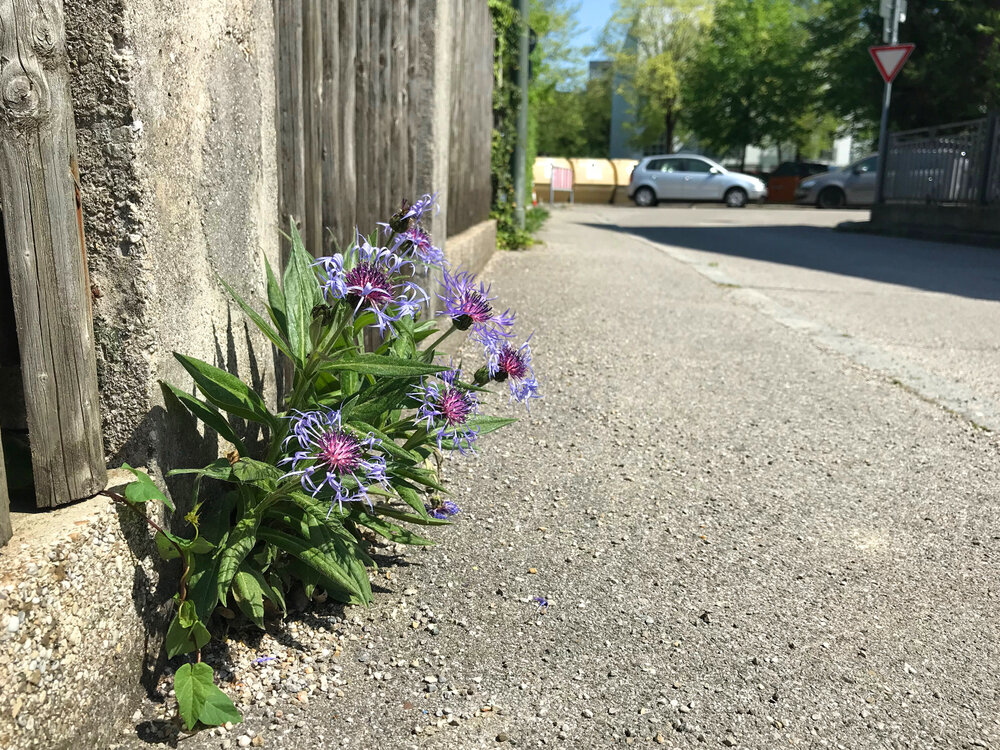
<point x="521" y="146"/>
<point x="890" y="35"/>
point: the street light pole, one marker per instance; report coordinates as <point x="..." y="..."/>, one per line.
<point x="891" y="12"/>
<point x="521" y="145"/>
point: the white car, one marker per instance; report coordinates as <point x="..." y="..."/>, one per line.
<point x="689" y="177"/>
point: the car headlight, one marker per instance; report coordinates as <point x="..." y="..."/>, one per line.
<point x="808" y="184"/>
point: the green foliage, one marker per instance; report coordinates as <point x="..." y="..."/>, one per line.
<point x="651" y="44"/>
<point x="199" y="700"/>
<point x="506" y="101"/>
<point x="957" y="41"/>
<point x="257" y="532"/>
<point x="749" y="81"/>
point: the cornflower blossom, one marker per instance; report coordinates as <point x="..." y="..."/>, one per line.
<point x="415" y="243"/>
<point x="411" y="214"/>
<point x="542" y="602"/>
<point x="445" y="510"/>
<point x="372" y="284"/>
<point x="445" y="410"/>
<point x="468" y="306"/>
<point x="505" y="363"/>
<point x="328" y="455"/>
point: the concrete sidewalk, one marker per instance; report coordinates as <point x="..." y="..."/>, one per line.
<point x="745" y="541"/>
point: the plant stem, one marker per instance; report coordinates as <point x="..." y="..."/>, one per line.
<point x="442" y="337"/>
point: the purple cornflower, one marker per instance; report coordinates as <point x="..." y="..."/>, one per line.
<point x="415" y="243"/>
<point x="446" y="408"/>
<point x="468" y="306"/>
<point x="328" y="455"/>
<point x="445" y="510"/>
<point x="373" y="284"/>
<point x="411" y="214"/>
<point x="505" y="363"/>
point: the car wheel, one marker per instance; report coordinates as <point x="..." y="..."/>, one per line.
<point x="831" y="197"/>
<point x="644" y="197"/>
<point x="736" y="197"/>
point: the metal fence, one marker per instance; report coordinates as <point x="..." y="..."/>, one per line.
<point x="958" y="163"/>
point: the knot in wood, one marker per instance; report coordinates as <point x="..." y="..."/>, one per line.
<point x="24" y="97"/>
<point x="43" y="37"/>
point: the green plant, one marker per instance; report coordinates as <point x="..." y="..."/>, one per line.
<point x="351" y="451"/>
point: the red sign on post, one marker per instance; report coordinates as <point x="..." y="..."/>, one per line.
<point x="889" y="59"/>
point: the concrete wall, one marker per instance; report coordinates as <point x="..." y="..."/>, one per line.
<point x="174" y="104"/>
<point x="938" y="219"/>
<point x="175" y="111"/>
<point x="175" y="124"/>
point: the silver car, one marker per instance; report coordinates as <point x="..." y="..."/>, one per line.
<point x="854" y="185"/>
<point x="689" y="177"/>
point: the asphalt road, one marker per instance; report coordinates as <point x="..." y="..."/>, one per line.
<point x="747" y="537"/>
<point x="924" y="313"/>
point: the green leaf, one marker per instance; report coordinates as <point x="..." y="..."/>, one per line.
<point x="187" y="632"/>
<point x="249" y="596"/>
<point x="412" y="498"/>
<point x="418" y="474"/>
<point x="421" y="520"/>
<point x="484" y="424"/>
<point x="382" y="365"/>
<point x="241" y="541"/>
<point x="199" y="700"/>
<point x="196" y="546"/>
<point x="142" y="490"/>
<point x="227" y="391"/>
<point x="320" y="560"/>
<point x="276" y="301"/>
<point x="259" y="321"/>
<point x="302" y="294"/>
<point x="390" y="530"/>
<point x="208" y="415"/>
<point x="219" y="469"/>
<point x="257" y="473"/>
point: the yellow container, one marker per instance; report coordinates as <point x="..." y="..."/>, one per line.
<point x="542" y="176"/>
<point x="623" y="174"/>
<point x="593" y="180"/>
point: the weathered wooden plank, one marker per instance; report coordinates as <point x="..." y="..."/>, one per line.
<point x="330" y="124"/>
<point x="347" y="169"/>
<point x="387" y="148"/>
<point x="312" y="93"/>
<point x="291" y="116"/>
<point x="5" y="528"/>
<point x="46" y="253"/>
<point x="469" y="186"/>
<point x="412" y="68"/>
<point x="363" y="135"/>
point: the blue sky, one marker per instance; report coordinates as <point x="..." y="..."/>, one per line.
<point x="593" y="14"/>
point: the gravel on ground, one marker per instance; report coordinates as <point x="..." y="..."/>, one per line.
<point x="743" y="541"/>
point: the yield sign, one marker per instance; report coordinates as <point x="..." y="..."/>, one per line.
<point x="889" y="59"/>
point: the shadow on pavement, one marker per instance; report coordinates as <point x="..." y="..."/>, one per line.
<point x="936" y="267"/>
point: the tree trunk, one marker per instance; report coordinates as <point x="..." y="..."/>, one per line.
<point x="743" y="159"/>
<point x="670" y="121"/>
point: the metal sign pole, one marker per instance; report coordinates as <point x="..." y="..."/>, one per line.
<point x="891" y="12"/>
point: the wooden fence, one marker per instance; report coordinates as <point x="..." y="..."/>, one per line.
<point x="43" y="233"/>
<point x="349" y="77"/>
<point x="469" y="187"/>
<point x="346" y="70"/>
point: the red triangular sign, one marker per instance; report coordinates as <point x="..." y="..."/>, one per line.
<point x="889" y="59"/>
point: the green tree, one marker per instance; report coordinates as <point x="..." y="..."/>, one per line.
<point x="954" y="73"/>
<point x="650" y="43"/>
<point x="748" y="82"/>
